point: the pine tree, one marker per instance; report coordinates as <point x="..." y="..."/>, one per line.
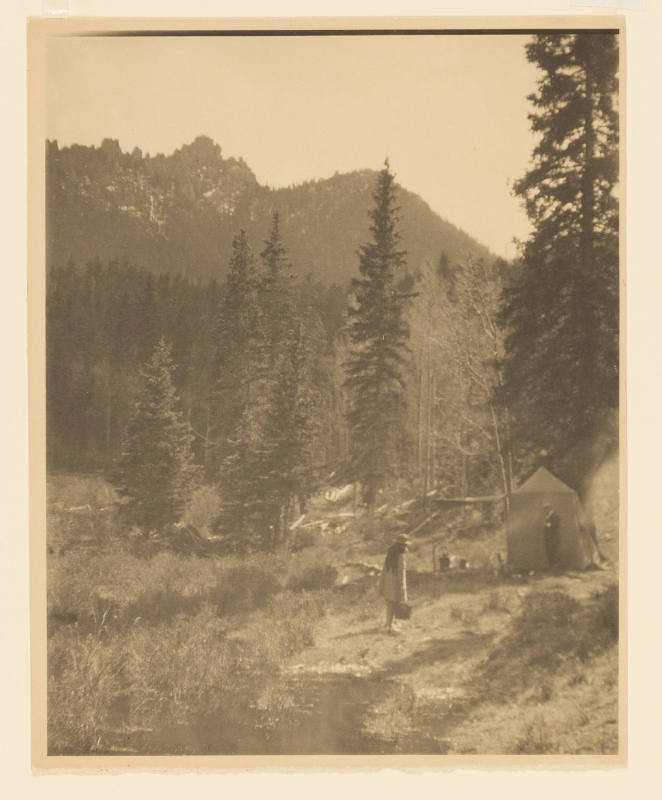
<point x="285" y="457"/>
<point x="235" y="349"/>
<point x="147" y="321"/>
<point x="281" y="449"/>
<point x="245" y="507"/>
<point x="561" y="315"/>
<point x="157" y="472"/>
<point x="237" y="400"/>
<point x="276" y="296"/>
<point x="378" y="332"/>
<point x="258" y="394"/>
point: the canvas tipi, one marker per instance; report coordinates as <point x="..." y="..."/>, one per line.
<point x="547" y="527"/>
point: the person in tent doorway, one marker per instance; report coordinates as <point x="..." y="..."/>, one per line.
<point x="551" y="535"/>
<point x="393" y="582"/>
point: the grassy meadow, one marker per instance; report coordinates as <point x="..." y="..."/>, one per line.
<point x="154" y="651"/>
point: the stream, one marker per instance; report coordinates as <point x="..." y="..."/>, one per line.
<point x="300" y="715"/>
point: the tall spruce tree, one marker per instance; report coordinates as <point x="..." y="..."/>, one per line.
<point x="265" y="431"/>
<point x="378" y="333"/>
<point x="561" y="314"/>
<point x="281" y="452"/>
<point x="235" y="350"/>
<point x="156" y="471"/>
<point x="237" y="399"/>
<point x="285" y="457"/>
<point x="276" y="296"/>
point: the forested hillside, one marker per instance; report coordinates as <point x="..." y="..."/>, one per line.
<point x="104" y="320"/>
<point x="141" y="247"/>
<point x="177" y="214"/>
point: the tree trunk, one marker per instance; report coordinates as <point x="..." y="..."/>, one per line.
<point x="284" y="523"/>
<point x="433" y="448"/>
<point x="428" y="425"/>
<point x="108" y="415"/>
<point x="205" y="452"/>
<point x="419" y="419"/>
<point x="590" y="322"/>
<point x="500" y="454"/>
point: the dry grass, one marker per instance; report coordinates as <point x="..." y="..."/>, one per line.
<point x="552" y="631"/>
<point x="550" y="685"/>
<point x="140" y="643"/>
<point x="467" y="617"/>
<point x="148" y="643"/>
<point x="71" y="491"/>
<point x="393" y="719"/>
<point x="163" y="674"/>
<point x="576" y="713"/>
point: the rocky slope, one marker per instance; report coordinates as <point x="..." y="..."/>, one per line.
<point x="178" y="213"/>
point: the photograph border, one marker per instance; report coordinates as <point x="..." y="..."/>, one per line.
<point x="39" y="30"/>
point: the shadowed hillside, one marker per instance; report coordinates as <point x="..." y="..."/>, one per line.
<point x="178" y="213"/>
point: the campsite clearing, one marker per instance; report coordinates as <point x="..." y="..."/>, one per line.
<point x="286" y="653"/>
<point x="439" y="699"/>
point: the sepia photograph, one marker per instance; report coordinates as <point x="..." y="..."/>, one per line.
<point x="327" y="390"/>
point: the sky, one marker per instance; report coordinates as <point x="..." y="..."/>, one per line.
<point x="450" y="112"/>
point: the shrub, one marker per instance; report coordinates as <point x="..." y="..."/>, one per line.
<point x="66" y="490"/>
<point x="552" y="628"/>
<point x="606" y="613"/>
<point x="203" y="508"/>
<point x="181" y="666"/>
<point x="546" y="626"/>
<point x="83" y="528"/>
<point x="286" y="625"/>
<point x="302" y="538"/>
<point x="566" y="625"/>
<point x="311" y="578"/>
<point x="244" y="587"/>
<point x="544" y="611"/>
<point x="116" y="589"/>
<point x="82" y="512"/>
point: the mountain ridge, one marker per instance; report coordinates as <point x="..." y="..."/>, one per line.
<point x="179" y="213"/>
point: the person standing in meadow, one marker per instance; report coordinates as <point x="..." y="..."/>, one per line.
<point x="551" y="535"/>
<point x="393" y="582"/>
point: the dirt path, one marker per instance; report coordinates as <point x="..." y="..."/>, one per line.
<point x="432" y="655"/>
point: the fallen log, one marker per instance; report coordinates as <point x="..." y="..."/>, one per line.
<point x="296" y="524"/>
<point x="425" y="522"/>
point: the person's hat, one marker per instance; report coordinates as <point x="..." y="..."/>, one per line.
<point x="403" y="538"/>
